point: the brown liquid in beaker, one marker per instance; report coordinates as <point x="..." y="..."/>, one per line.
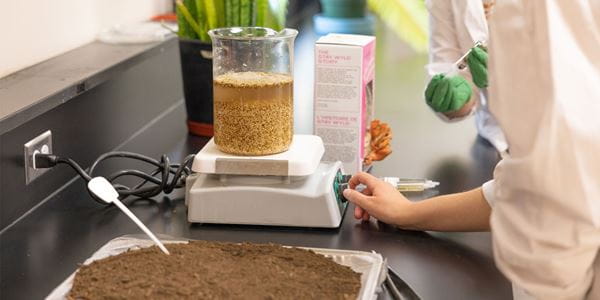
<point x="253" y="112"/>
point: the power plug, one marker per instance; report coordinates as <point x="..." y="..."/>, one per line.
<point x="41" y="144"/>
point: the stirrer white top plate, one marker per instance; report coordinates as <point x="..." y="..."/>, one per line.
<point x="301" y="159"/>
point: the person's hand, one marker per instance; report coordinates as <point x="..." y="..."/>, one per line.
<point x="379" y="199"/>
<point x="447" y="94"/>
<point x="477" y="61"/>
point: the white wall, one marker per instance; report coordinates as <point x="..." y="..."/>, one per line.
<point x="32" y="31"/>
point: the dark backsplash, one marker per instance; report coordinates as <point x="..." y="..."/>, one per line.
<point x="94" y="122"/>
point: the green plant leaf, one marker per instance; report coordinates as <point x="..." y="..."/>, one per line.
<point x="220" y="9"/>
<point x="228" y="16"/>
<point x="407" y="18"/>
<point x="211" y="14"/>
<point x="185" y="30"/>
<point x="252" y="12"/>
<point x="262" y="12"/>
<point x="245" y="11"/>
<point x="188" y="17"/>
<point x="235" y="12"/>
<point x="202" y="19"/>
<point x="191" y="6"/>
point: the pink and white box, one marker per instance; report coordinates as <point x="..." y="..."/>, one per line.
<point x="344" y="96"/>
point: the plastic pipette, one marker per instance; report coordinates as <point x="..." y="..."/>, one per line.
<point x="100" y="187"/>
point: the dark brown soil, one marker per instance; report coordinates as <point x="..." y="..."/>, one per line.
<point x="213" y="270"/>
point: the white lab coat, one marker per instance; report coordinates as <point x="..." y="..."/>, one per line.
<point x="455" y="25"/>
<point x="545" y="196"/>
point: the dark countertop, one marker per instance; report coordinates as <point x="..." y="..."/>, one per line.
<point x="44" y="247"/>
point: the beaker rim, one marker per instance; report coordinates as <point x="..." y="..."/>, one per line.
<point x="230" y="33"/>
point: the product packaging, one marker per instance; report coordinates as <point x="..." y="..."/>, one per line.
<point x="344" y="96"/>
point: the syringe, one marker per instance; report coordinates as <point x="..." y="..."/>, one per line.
<point x="461" y="63"/>
<point x="401" y="184"/>
<point x="410" y="185"/>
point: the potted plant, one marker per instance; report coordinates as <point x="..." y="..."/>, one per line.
<point x="195" y="18"/>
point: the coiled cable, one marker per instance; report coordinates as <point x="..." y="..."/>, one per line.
<point x="164" y="178"/>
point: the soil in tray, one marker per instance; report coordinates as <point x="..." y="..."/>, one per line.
<point x="214" y="270"/>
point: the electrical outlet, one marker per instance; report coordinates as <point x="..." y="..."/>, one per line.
<point x="40" y="144"/>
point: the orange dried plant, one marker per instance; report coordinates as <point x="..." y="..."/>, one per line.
<point x="380" y="142"/>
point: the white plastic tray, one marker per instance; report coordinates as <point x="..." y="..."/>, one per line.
<point x="371" y="266"/>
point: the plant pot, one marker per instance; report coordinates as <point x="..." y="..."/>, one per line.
<point x="196" y="71"/>
<point x="344" y="8"/>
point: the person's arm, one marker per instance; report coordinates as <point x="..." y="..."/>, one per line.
<point x="467" y="211"/>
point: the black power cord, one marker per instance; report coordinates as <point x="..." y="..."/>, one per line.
<point x="170" y="176"/>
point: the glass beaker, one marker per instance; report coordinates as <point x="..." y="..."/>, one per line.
<point x="253" y="89"/>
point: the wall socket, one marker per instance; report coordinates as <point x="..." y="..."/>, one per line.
<point x="40" y="144"/>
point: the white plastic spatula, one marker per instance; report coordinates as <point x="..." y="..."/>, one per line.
<point x="100" y="187"/>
